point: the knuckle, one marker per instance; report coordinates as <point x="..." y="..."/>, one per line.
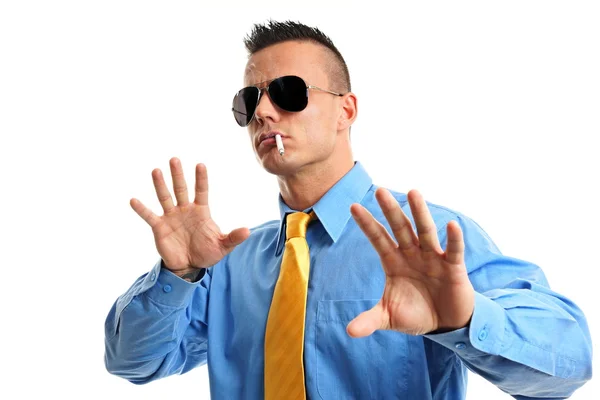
<point x="163" y="198"/>
<point x="180" y="189"/>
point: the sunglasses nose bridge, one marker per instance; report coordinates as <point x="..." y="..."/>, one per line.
<point x="262" y="111"/>
<point x="261" y="93"/>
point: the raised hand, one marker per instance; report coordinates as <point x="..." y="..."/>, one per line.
<point x="426" y="288"/>
<point x="186" y="236"/>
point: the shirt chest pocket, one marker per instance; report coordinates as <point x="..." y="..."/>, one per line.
<point x="374" y="367"/>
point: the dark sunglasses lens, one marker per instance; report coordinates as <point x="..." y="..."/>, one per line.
<point x="244" y="105"/>
<point x="289" y="93"/>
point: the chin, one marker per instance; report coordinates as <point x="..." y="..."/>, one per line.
<point x="277" y="165"/>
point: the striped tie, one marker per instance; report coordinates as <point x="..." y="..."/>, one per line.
<point x="284" y="337"/>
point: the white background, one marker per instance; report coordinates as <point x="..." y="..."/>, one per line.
<point x="489" y="108"/>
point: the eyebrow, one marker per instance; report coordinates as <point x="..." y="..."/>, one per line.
<point x="265" y="81"/>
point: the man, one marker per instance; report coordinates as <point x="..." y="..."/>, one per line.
<point x="357" y="292"/>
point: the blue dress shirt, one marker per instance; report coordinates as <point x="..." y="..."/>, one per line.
<point x="528" y="340"/>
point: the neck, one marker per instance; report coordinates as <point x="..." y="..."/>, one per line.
<point x="304" y="188"/>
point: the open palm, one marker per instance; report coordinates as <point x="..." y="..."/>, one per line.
<point x="426" y="288"/>
<point x="186" y="236"/>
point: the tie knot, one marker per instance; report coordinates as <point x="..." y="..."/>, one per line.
<point x="296" y="224"/>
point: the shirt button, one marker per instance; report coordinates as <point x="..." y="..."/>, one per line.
<point x="167" y="288"/>
<point x="482" y="334"/>
<point x="153" y="277"/>
<point x="460" y="345"/>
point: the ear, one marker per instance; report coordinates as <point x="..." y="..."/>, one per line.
<point x="348" y="111"/>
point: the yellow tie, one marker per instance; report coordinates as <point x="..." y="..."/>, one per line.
<point x="284" y="337"/>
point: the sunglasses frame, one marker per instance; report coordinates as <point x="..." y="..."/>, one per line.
<point x="266" y="87"/>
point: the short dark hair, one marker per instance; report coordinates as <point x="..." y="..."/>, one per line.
<point x="273" y="32"/>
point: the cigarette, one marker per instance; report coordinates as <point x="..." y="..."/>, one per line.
<point x="279" y="144"/>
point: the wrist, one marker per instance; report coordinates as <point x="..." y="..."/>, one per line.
<point x="192" y="275"/>
<point x="188" y="274"/>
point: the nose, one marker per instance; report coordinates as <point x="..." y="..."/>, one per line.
<point x="265" y="109"/>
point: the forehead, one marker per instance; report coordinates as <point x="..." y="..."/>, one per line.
<point x="304" y="59"/>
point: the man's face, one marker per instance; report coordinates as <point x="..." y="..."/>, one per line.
<point x="309" y="136"/>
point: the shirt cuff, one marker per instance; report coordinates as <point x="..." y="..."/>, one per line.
<point x="483" y="336"/>
<point x="169" y="289"/>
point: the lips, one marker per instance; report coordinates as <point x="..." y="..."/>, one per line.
<point x="269" y="136"/>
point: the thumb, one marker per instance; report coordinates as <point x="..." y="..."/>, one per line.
<point x="235" y="237"/>
<point x="367" y="322"/>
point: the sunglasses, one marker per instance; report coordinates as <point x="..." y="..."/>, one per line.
<point x="290" y="93"/>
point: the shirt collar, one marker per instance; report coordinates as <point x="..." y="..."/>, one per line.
<point x="333" y="209"/>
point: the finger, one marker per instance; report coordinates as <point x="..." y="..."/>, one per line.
<point x="179" y="185"/>
<point x="455" y="248"/>
<point x="374" y="230"/>
<point x="367" y="322"/>
<point x="235" y="237"/>
<point x="426" y="229"/>
<point x="201" y="187"/>
<point x="164" y="197"/>
<point x="144" y="212"/>
<point x="399" y="222"/>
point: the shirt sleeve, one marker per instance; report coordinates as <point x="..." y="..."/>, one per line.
<point x="158" y="327"/>
<point x="528" y="340"/>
